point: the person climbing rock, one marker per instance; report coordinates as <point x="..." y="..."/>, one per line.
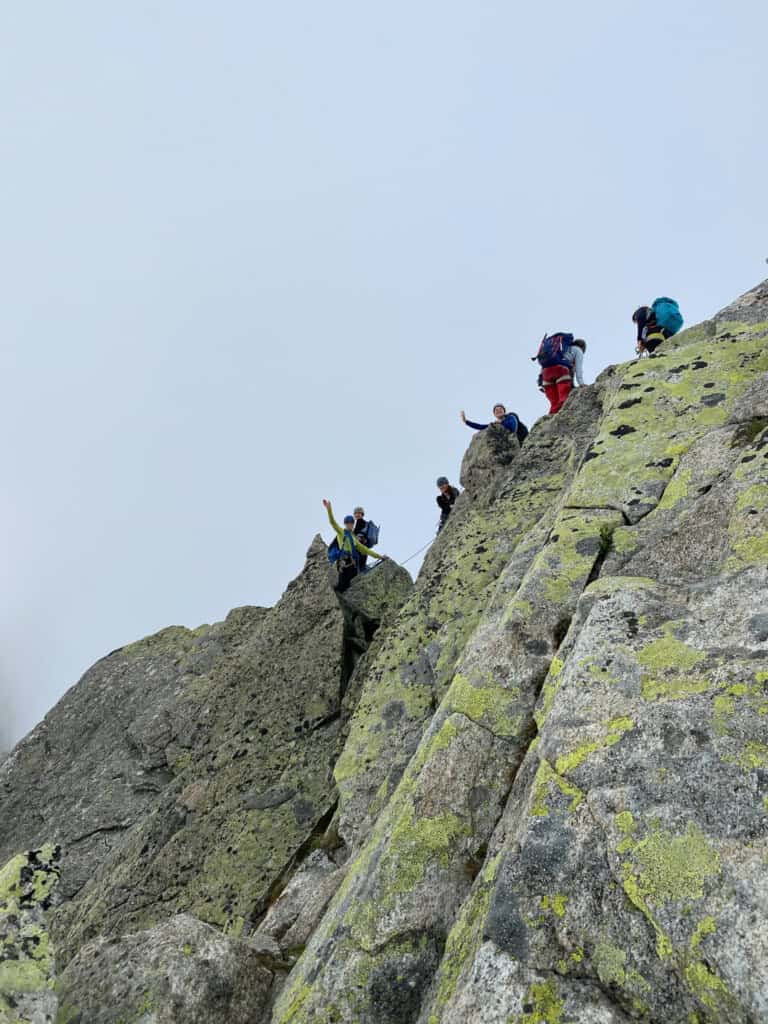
<point x="445" y="499"/>
<point x="361" y="532"/>
<point x="555" y="379"/>
<point x="576" y="356"/>
<point x="508" y="420"/>
<point x="347" y="550"/>
<point x="656" y="323"/>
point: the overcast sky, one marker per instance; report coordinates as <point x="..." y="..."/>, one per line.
<point x="258" y="254"/>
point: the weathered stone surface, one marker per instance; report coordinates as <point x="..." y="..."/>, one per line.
<point x="258" y="781"/>
<point x="27" y="884"/>
<point x="551" y="754"/>
<point x="184" y="772"/>
<point x="379" y="593"/>
<point x="179" y="972"/>
<point x="487" y="459"/>
<point x="414" y="659"/>
<point x="614" y="679"/>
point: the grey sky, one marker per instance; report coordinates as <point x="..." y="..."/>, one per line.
<point x="254" y="255"/>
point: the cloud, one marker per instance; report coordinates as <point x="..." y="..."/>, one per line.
<point x="8" y="720"/>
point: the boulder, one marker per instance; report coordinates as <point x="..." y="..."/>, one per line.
<point x="379" y="593"/>
<point x="487" y="458"/>
<point x="179" y="972"/>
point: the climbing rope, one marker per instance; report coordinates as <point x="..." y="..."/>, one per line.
<point x="408" y="559"/>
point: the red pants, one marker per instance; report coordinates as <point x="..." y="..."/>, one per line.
<point x="557" y="383"/>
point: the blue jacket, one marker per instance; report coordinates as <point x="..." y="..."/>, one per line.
<point x="509" y="422"/>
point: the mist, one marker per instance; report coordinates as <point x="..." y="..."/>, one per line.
<point x="255" y="256"/>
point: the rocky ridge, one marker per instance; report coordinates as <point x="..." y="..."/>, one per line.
<point x="533" y="787"/>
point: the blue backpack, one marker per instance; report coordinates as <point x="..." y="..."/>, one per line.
<point x="372" y="534"/>
<point x="668" y="315"/>
<point x="553" y="350"/>
<point x="335" y="552"/>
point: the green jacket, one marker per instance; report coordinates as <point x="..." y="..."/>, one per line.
<point x="344" y="537"/>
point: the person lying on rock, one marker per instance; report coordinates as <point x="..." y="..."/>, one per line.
<point x="656" y="323"/>
<point x="508" y="420"/>
<point x="350" y="549"/>
<point x="445" y="500"/>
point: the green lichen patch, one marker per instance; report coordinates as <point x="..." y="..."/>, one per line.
<point x="674" y="687"/>
<point x="615" y="729"/>
<point x="555" y="903"/>
<point x="487" y="704"/>
<point x="415" y="844"/>
<point x="705" y="927"/>
<point x="754" y="755"/>
<point x="545" y="783"/>
<point x="669" y="663"/>
<point x="676" y="490"/>
<point x="542" y="1004"/>
<point x="708" y="988"/>
<point x="666" y="867"/>
<point x="625" y="822"/>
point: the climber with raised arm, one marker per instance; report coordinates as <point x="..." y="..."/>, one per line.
<point x="346" y="550"/>
<point x="445" y="500"/>
<point x="505" y="419"/>
<point x="656" y="323"/>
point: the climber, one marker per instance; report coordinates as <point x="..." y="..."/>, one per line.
<point x="656" y="323"/>
<point x="445" y="500"/>
<point x="361" y="532"/>
<point x="346" y="549"/>
<point x="575" y="355"/>
<point x="557" y="364"/>
<point x="508" y="420"/>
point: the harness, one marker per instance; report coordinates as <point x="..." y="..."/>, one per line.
<point x="346" y="555"/>
<point x="558" y="380"/>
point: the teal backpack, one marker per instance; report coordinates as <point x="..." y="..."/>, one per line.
<point x="668" y="315"/>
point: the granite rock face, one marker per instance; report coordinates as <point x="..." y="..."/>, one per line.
<point x="186" y="772"/>
<point x="579" y="832"/>
<point x="531" y="788"/>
